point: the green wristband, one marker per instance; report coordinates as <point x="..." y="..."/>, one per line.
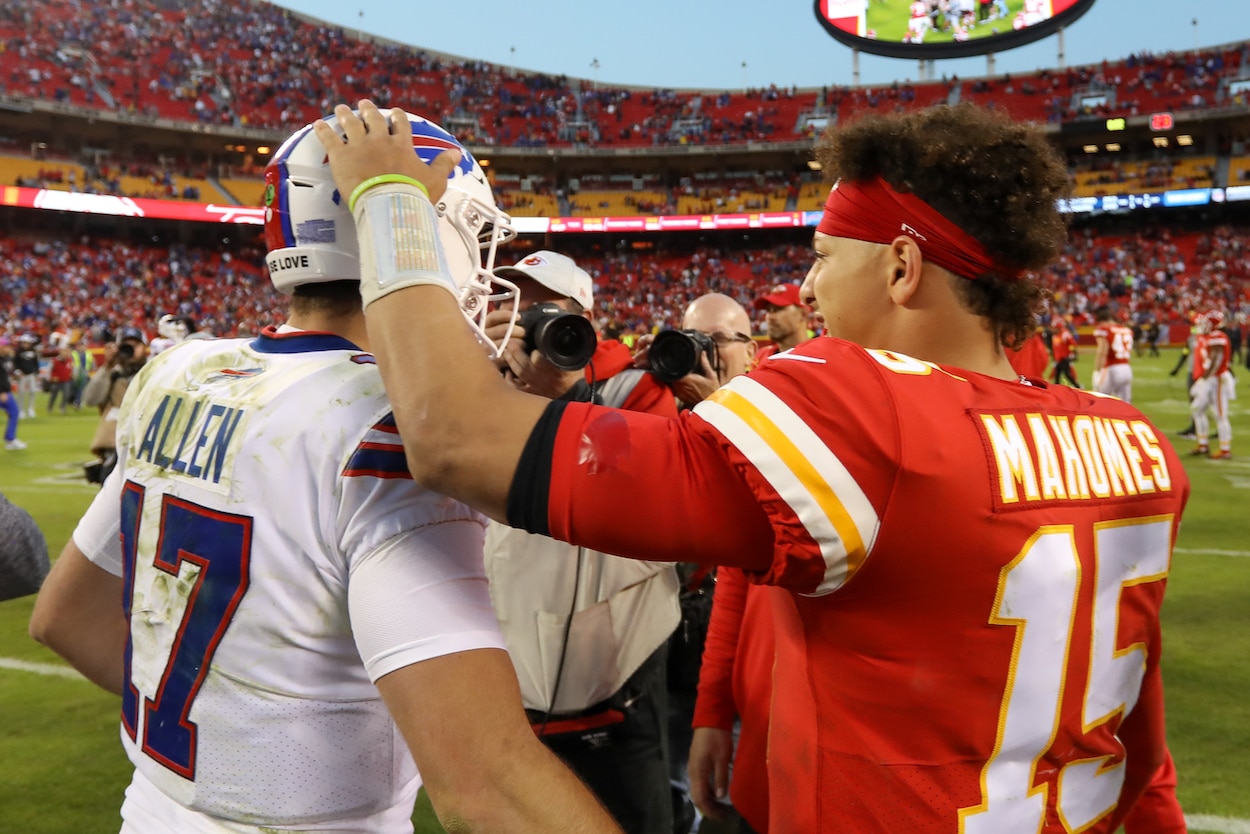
<point x="382" y="180"/>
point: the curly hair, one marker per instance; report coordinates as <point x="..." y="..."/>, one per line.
<point x="998" y="180"/>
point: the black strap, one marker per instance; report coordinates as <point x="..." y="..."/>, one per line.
<point x="527" y="497"/>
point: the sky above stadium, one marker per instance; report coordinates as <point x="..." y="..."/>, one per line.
<point x="732" y="44"/>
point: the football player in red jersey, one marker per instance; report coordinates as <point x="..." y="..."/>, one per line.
<point x="975" y="564"/>
<point x="1112" y="373"/>
<point x="1063" y="346"/>
<point x="1213" y="386"/>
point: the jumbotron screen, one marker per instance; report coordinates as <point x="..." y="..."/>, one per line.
<point x="925" y="29"/>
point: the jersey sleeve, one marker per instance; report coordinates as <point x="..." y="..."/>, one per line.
<point x="378" y="498"/>
<point x="98" y="534"/>
<point x="584" y="463"/>
<point x="821" y="451"/>
<point x="421" y="595"/>
<point x="714" y="706"/>
<point x="416" y="584"/>
<point x="782" y="472"/>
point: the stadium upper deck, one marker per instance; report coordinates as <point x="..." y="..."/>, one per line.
<point x="238" y="64"/>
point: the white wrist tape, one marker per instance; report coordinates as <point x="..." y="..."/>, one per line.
<point x="397" y="233"/>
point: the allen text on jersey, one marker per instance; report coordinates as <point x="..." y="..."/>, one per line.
<point x="190" y="436"/>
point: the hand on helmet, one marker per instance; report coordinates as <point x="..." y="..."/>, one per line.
<point x="370" y="147"/>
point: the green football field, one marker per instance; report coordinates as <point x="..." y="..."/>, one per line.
<point x="62" y="768"/>
<point x="890" y="18"/>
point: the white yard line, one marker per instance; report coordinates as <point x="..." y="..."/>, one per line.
<point x="39" y="668"/>
<point x="1217" y="825"/>
<point x="1244" y="554"/>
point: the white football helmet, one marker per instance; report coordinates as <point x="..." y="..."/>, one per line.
<point x="1209" y="322"/>
<point x="172" y="327"/>
<point x="311" y="236"/>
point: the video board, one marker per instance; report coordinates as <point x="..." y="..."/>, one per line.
<point x="923" y="29"/>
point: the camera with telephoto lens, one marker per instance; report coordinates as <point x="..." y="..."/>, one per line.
<point x="565" y="339"/>
<point x="675" y="353"/>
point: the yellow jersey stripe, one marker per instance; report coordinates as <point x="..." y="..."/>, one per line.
<point x="802" y="469"/>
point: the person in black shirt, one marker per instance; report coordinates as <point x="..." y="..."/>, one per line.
<point x="26" y="372"/>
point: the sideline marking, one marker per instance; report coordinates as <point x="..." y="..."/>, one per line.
<point x="1244" y="554"/>
<point x="40" y="668"/>
<point x="1218" y="825"/>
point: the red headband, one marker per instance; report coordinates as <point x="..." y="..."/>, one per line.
<point x="872" y="211"/>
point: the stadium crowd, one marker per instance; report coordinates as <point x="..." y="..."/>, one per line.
<point x="95" y="286"/>
<point x="242" y="64"/>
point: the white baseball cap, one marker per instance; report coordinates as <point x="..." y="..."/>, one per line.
<point x="558" y="273"/>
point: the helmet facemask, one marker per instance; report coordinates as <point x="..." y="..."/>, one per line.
<point x="471" y="231"/>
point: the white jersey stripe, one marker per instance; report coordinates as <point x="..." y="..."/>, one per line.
<point x="805" y="473"/>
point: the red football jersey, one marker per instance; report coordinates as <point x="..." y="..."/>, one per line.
<point x="1203" y="351"/>
<point x="978" y="566"/>
<point x="1063" y="343"/>
<point x="1119" y="342"/>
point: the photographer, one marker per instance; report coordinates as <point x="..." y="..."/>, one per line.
<point x="587" y="632"/>
<point x="105" y="390"/>
<point x="719" y="331"/>
<point x="733" y="671"/>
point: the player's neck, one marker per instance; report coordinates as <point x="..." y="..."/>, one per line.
<point x="962" y="341"/>
<point x="350" y="326"/>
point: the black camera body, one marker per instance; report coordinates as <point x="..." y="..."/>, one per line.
<point x="675" y="353"/>
<point x="565" y="339"/>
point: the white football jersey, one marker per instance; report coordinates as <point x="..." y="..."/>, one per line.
<point x="277" y="559"/>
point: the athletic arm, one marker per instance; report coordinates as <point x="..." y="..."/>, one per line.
<point x="425" y="630"/>
<point x="1215" y="361"/>
<point x="462" y="425"/>
<point x="711" y="745"/>
<point x="714" y="706"/>
<point x="686" y="500"/>
<point x="1100" y="353"/>
<point x="78" y="614"/>
<point x="481" y="763"/>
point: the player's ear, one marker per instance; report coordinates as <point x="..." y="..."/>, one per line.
<point x="905" y="264"/>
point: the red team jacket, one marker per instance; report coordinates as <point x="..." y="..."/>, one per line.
<point x="977" y="567"/>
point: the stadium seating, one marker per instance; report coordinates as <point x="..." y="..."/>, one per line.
<point x="238" y="63"/>
<point x="258" y="65"/>
<point x="100" y="284"/>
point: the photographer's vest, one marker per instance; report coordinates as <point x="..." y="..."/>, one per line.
<point x="577" y="616"/>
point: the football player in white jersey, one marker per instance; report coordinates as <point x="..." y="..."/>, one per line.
<point x="283" y="581"/>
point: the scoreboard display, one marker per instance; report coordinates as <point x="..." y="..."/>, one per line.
<point x="944" y="28"/>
